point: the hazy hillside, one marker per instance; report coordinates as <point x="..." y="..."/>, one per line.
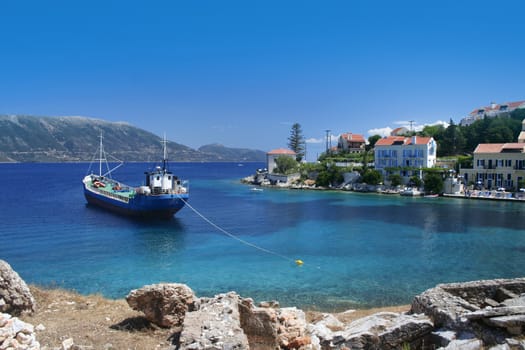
<point x="223" y="153"/>
<point x="51" y="139"/>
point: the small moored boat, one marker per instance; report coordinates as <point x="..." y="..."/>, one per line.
<point x="162" y="195"/>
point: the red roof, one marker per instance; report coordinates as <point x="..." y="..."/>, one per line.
<point x="496" y="107"/>
<point x="390" y="140"/>
<point x="489" y="148"/>
<point x="498" y="147"/>
<point x="398" y="130"/>
<point x="353" y="137"/>
<point x="282" y="151"/>
<point x="420" y="140"/>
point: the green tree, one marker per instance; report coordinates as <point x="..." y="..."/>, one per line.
<point x="371" y="177"/>
<point x="518" y="114"/>
<point x="285" y="165"/>
<point x="435" y="131"/>
<point x="415" y="181"/>
<point x="453" y="141"/>
<point x="492" y="130"/>
<point x="329" y="175"/>
<point x="372" y="141"/>
<point x="464" y="162"/>
<point x="433" y="183"/>
<point x="367" y="157"/>
<point x="296" y="141"/>
<point x="395" y="179"/>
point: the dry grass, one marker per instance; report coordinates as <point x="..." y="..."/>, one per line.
<point x="93" y="322"/>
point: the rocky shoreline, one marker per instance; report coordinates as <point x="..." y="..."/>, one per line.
<point x="473" y="315"/>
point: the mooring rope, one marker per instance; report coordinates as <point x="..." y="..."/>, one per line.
<point x="296" y="261"/>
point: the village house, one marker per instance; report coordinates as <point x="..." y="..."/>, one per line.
<point x="276" y="153"/>
<point x="406" y="154"/>
<point x="271" y="165"/>
<point x="401" y="131"/>
<point x="351" y="143"/>
<point x="492" y="111"/>
<point x="498" y="165"/>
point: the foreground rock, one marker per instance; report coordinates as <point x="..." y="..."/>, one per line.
<point x="163" y="304"/>
<point x="15" y="297"/>
<point x="473" y="315"/>
<point x="385" y="330"/>
<point x="487" y="313"/>
<point x="275" y="328"/>
<point x="216" y="325"/>
<point x="16" y="334"/>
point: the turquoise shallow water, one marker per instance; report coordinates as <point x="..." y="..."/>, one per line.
<point x="359" y="250"/>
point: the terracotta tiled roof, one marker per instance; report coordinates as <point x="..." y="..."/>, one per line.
<point x="510" y="107"/>
<point x="513" y="105"/>
<point x="390" y="140"/>
<point x="281" y="151"/>
<point x="398" y="130"/>
<point x="353" y="137"/>
<point x="489" y="148"/>
<point x="420" y="140"/>
<point x="514" y="145"/>
<point x="499" y="147"/>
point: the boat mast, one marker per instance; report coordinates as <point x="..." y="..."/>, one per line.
<point x="100" y="156"/>
<point x="165" y="155"/>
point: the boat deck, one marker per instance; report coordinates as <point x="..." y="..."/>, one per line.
<point x="112" y="189"/>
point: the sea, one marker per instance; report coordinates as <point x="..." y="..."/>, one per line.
<point x="358" y="250"/>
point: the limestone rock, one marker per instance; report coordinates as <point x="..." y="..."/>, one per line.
<point x="464" y="344"/>
<point x="292" y="329"/>
<point x="385" y="330"/>
<point x="446" y="304"/>
<point x="16" y="334"/>
<point x="274" y="328"/>
<point x="259" y="325"/>
<point x="68" y="344"/>
<point x="15" y="296"/>
<point x="164" y="304"/>
<point x="215" y="325"/>
<point x="492" y="311"/>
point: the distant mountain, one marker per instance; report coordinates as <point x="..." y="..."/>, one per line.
<point x="223" y="153"/>
<point x="56" y="139"/>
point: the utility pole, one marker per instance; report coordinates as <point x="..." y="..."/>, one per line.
<point x="411" y="122"/>
<point x="327" y="140"/>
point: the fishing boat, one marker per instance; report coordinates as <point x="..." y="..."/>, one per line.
<point x="162" y="194"/>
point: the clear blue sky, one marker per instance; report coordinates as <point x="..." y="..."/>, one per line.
<point x="240" y="73"/>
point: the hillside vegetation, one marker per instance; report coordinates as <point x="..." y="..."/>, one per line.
<point x="52" y="139"/>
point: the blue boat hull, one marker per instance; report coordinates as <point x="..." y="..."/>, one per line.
<point x="158" y="206"/>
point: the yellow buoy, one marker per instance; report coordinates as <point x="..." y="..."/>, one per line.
<point x="298" y="262"/>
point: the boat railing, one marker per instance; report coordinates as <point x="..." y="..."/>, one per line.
<point x="185" y="184"/>
<point x="111" y="194"/>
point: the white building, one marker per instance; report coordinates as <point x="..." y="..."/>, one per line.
<point x="406" y="154"/>
<point x="276" y="153"/>
<point x="353" y="143"/>
<point x="497" y="165"/>
<point x="492" y="111"/>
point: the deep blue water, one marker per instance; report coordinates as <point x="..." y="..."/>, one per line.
<point x="359" y="250"/>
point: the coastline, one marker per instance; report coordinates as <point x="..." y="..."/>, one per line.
<point x="97" y="322"/>
<point x="476" y="314"/>
<point x="385" y="190"/>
